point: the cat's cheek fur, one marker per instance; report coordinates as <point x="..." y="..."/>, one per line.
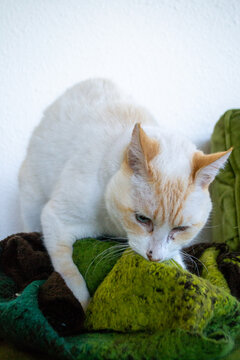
<point x="117" y="200"/>
<point x="198" y="208"/>
<point x="139" y="244"/>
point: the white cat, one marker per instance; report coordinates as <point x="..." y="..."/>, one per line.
<point x="100" y="164"/>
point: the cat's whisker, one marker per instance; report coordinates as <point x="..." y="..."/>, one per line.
<point x="114" y="239"/>
<point x="195" y="265"/>
<point x="129" y="252"/>
<point x="200" y="262"/>
<point x="211" y="226"/>
<point x="173" y="263"/>
<point x="114" y="252"/>
<point x="194" y="262"/>
<point x="96" y="257"/>
<point x="196" y="259"/>
<point x="110" y="257"/>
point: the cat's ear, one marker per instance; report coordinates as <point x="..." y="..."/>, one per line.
<point x="141" y="150"/>
<point x="206" y="167"/>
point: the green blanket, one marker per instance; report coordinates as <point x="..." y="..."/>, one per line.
<point x="144" y="310"/>
<point x="157" y="311"/>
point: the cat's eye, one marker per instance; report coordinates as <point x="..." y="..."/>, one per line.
<point x="145" y="221"/>
<point x="180" y="228"/>
<point x="142" y="219"/>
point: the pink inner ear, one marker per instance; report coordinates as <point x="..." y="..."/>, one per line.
<point x="142" y="149"/>
<point x="208" y="166"/>
<point x="135" y="154"/>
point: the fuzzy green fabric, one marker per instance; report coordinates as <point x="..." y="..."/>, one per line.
<point x="226" y="187"/>
<point x="139" y="295"/>
<point x="157" y="311"/>
<point x="210" y="270"/>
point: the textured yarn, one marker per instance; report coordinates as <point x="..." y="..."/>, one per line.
<point x="157" y="311"/>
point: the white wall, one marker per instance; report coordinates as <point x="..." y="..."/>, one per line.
<point x="181" y="58"/>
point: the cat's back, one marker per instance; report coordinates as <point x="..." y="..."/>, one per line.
<point x="67" y="123"/>
<point x="77" y="109"/>
<point x="87" y="116"/>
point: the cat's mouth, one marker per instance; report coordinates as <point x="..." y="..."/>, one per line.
<point x="154" y="260"/>
<point x="146" y="255"/>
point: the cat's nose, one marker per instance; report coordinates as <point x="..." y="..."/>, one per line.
<point x="149" y="254"/>
<point x="150" y="257"/>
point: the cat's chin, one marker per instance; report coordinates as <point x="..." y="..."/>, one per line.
<point x="138" y="252"/>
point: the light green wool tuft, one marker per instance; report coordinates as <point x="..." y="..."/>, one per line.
<point x="138" y="295"/>
<point x="210" y="269"/>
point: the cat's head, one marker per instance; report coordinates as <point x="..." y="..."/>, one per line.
<point x="160" y="194"/>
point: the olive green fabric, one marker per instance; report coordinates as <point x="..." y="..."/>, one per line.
<point x="139" y="295"/>
<point x="210" y="269"/>
<point x="225" y="189"/>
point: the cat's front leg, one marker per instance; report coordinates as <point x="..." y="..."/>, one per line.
<point x="58" y="240"/>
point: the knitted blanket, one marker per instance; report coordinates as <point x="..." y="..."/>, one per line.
<point x="139" y="309"/>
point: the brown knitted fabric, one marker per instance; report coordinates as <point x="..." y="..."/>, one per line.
<point x="231" y="270"/>
<point x="60" y="307"/>
<point x="196" y="251"/>
<point x="24" y="259"/>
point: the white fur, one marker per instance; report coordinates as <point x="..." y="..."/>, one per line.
<point x="71" y="175"/>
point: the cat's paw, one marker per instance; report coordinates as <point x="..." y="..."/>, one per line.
<point x="85" y="304"/>
<point x="83" y="297"/>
